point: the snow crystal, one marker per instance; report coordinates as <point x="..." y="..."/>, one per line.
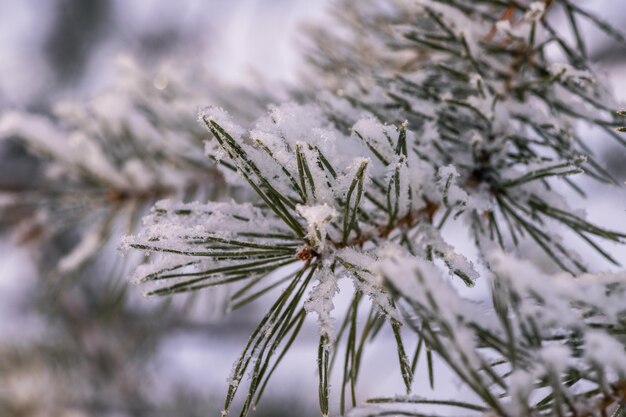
<point x="320" y="301"/>
<point x="421" y="282"/>
<point x="318" y="219"/>
<point x="222" y="118"/>
<point x="453" y="193"/>
<point x="457" y="263"/>
<point x="604" y="350"/>
<point x="556" y="358"/>
<point x="350" y="174"/>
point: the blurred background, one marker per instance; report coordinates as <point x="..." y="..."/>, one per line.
<point x="92" y="345"/>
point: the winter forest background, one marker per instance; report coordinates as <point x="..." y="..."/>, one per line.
<point x="80" y="340"/>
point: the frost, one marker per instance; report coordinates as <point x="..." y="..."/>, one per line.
<point x="520" y="388"/>
<point x="605" y="351"/>
<point x="345" y="182"/>
<point x="320" y="301"/>
<point x="555" y="358"/>
<point x="424" y="286"/>
<point x="318" y="219"/>
<point x="457" y="263"/>
<point x="360" y="267"/>
<point x="581" y="78"/>
<point x="453" y="195"/>
<point x="222" y="118"/>
<point x="377" y="136"/>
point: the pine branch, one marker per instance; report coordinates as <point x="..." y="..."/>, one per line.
<point x="436" y="113"/>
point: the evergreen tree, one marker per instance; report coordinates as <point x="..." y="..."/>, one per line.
<point x="432" y="114"/>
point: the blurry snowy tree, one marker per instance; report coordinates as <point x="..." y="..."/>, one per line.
<point x="433" y="112"/>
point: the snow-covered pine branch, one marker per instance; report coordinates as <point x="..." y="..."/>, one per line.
<point x="445" y="110"/>
<point x="432" y="112"/>
<point x="106" y="159"/>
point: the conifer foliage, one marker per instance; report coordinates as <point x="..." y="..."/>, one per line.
<point x="445" y="111"/>
<point x="433" y="112"/>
